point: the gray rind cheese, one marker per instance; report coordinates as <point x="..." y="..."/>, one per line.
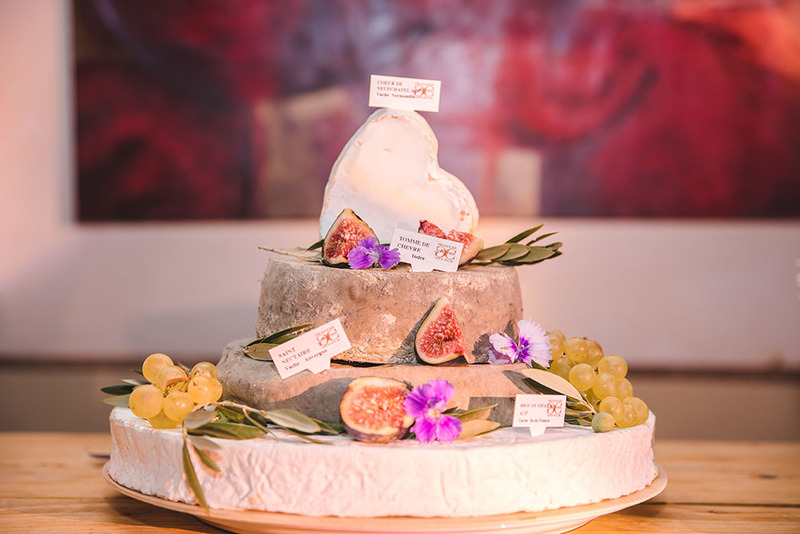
<point x="381" y="310"/>
<point x="258" y="384"/>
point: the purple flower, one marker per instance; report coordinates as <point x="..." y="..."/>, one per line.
<point x="533" y="345"/>
<point x="426" y="403"/>
<point x="368" y="252"/>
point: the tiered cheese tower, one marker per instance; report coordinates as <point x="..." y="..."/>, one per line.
<point x="389" y="175"/>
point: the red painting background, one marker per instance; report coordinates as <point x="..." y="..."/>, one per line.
<point x="199" y="109"/>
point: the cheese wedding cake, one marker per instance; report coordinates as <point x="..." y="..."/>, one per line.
<point x="415" y="415"/>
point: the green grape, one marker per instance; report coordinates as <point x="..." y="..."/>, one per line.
<point x="146" y="401"/>
<point x="628" y="418"/>
<point x="576" y="349"/>
<point x="153" y="364"/>
<point x="603" y="422"/>
<point x="161" y="421"/>
<point x="582" y="376"/>
<point x="205" y="369"/>
<point x="204" y="389"/>
<point x="612" y="405"/>
<point x="640" y="407"/>
<point x="557" y="334"/>
<point x="556" y="343"/>
<point x="613" y="364"/>
<point x="168" y="375"/>
<point x="595" y="352"/>
<point x="624" y="388"/>
<point x="561" y="367"/>
<point x="177" y="405"/>
<point x="592" y="398"/>
<point x="605" y="386"/>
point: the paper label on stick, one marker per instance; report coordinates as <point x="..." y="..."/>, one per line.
<point x="538" y="412"/>
<point x="425" y="253"/>
<point x="413" y="94"/>
<point x="312" y="350"/>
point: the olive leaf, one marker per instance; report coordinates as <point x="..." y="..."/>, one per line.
<point x="231" y="413"/>
<point x="203" y="443"/>
<point x="259" y="349"/>
<point x="539" y="238"/>
<point x="329" y="427"/>
<point x="133" y="382"/>
<point x="475" y="414"/>
<point x="206" y="458"/>
<point x="191" y="477"/>
<point x="118" y="400"/>
<point x="117" y="389"/>
<point x="227" y="430"/>
<point x="316" y="245"/>
<point x="476" y="427"/>
<point x="553" y="382"/>
<point x="525" y="233"/>
<point x="293" y="420"/>
<point x="492" y="253"/>
<point x="198" y="418"/>
<point x="513" y="253"/>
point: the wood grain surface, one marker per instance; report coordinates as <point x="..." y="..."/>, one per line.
<point x="52" y="482"/>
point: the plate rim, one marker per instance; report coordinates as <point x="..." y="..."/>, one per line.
<point x="576" y="515"/>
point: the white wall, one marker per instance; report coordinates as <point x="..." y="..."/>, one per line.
<point x="662" y="293"/>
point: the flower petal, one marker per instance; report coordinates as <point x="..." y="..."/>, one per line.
<point x="425" y="429"/>
<point x="360" y="257"/>
<point x="416" y="403"/>
<point x="503" y="349"/>
<point x="534" y="342"/>
<point x="438" y="393"/>
<point x="388" y="258"/>
<point x="448" y="428"/>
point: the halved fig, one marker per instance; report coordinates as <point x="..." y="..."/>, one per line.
<point x="472" y="243"/>
<point x="372" y="409"/>
<point x="428" y="228"/>
<point x="439" y="338"/>
<point x="344" y="235"/>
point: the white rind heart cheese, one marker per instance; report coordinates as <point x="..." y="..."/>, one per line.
<point x="389" y="175"/>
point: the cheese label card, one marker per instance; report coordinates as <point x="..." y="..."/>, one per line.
<point x="412" y="94"/>
<point x="425" y="253"/>
<point x="312" y="350"/>
<point x="538" y="412"/>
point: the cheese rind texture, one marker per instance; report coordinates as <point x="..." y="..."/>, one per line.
<point x="381" y="310"/>
<point x="258" y="384"/>
<point x="389" y="175"/>
<point x="503" y="472"/>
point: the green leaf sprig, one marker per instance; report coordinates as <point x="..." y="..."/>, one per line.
<point x="513" y="252"/>
<point x="579" y="410"/>
<point x="230" y="420"/>
<point x="311" y="254"/>
<point x="259" y="349"/>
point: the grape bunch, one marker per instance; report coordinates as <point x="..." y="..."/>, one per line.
<point x="600" y="378"/>
<point x="172" y="392"/>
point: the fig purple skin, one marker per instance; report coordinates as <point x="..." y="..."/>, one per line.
<point x="439" y="338"/>
<point x="372" y="409"/>
<point x="346" y="232"/>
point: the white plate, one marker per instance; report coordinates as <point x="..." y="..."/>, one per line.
<point x="550" y="521"/>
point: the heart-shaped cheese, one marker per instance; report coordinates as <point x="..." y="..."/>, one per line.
<point x="389" y="175"/>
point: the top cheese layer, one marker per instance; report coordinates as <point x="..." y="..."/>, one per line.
<point x="389" y="175"/>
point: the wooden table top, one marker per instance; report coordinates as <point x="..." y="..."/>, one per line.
<point x="52" y="482"/>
